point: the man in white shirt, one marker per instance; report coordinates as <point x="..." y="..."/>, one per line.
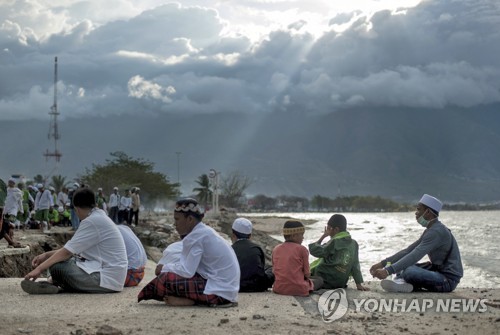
<point x="136" y="256"/>
<point x="93" y="261"/>
<point x="114" y="201"/>
<point x="124" y="208"/>
<point x="208" y="272"/>
<point x="43" y="201"/>
<point x="13" y="204"/>
<point x="62" y="198"/>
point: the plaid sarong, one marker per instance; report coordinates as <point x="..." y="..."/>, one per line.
<point x="134" y="276"/>
<point x="169" y="283"/>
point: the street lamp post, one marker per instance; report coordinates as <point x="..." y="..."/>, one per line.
<point x="214" y="177"/>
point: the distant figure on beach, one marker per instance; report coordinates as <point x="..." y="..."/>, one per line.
<point x="6" y="226"/>
<point x="441" y="274"/>
<point x="43" y="202"/>
<point x="28" y="203"/>
<point x="338" y="259"/>
<point x="101" y="200"/>
<point x="124" y="208"/>
<point x="291" y="263"/>
<point x="135" y="206"/>
<point x="136" y="256"/>
<point x="75" y="221"/>
<point x="254" y="275"/>
<point x="207" y="273"/>
<point x="114" y="202"/>
<point x="93" y="261"/>
<point x="62" y="198"/>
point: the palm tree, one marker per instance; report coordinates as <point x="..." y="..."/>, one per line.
<point x="58" y="182"/>
<point x="38" y="179"/>
<point x="203" y="192"/>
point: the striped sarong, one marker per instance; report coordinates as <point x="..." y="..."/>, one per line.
<point x="171" y="284"/>
<point x="134" y="276"/>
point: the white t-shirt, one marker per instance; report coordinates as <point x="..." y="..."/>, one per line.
<point x="99" y="241"/>
<point x="125" y="202"/>
<point x="205" y="252"/>
<point x="136" y="254"/>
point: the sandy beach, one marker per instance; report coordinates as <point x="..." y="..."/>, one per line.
<point x="256" y="313"/>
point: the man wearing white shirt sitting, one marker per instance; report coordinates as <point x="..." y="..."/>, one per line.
<point x="207" y="273"/>
<point x="93" y="261"/>
<point x="136" y="256"/>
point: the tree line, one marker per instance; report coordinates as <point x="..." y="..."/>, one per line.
<point x="126" y="172"/>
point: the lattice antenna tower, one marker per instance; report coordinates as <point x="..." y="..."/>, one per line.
<point x="54" y="129"/>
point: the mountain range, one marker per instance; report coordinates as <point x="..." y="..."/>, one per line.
<point x="451" y="153"/>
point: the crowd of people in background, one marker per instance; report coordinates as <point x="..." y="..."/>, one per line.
<point x="37" y="206"/>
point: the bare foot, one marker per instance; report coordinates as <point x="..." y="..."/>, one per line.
<point x="177" y="301"/>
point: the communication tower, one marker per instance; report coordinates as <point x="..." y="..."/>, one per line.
<point x="54" y="129"/>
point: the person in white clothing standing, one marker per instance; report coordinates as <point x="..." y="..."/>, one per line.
<point x="207" y="273"/>
<point x="93" y="261"/>
<point x="43" y="201"/>
<point x="114" y="201"/>
<point x="12" y="206"/>
<point x="124" y="208"/>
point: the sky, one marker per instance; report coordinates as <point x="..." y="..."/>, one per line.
<point x="149" y="57"/>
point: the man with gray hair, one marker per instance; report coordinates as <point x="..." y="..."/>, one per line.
<point x="441" y="274"/>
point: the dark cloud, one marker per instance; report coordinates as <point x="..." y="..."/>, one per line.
<point x="180" y="59"/>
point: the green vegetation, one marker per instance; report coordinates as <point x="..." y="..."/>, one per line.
<point x="126" y="172"/>
<point x="320" y="203"/>
<point x="203" y="191"/>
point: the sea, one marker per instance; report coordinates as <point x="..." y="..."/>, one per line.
<point x="380" y="235"/>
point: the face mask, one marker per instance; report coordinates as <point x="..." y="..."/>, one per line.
<point x="423" y="222"/>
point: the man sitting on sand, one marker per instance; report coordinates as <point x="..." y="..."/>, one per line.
<point x="207" y="273"/>
<point x="254" y="276"/>
<point x="136" y="256"/>
<point x="441" y="274"/>
<point x="338" y="258"/>
<point x="93" y="261"/>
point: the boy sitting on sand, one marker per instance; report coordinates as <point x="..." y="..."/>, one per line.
<point x="291" y="263"/>
<point x="338" y="258"/>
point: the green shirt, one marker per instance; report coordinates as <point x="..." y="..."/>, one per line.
<point x="338" y="260"/>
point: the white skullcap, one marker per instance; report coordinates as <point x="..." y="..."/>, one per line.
<point x="242" y="225"/>
<point x="115" y="188"/>
<point x="39" y="186"/>
<point x="76" y="185"/>
<point x="431" y="202"/>
<point x="12" y="180"/>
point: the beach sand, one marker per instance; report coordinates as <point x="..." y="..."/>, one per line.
<point x="257" y="313"/>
